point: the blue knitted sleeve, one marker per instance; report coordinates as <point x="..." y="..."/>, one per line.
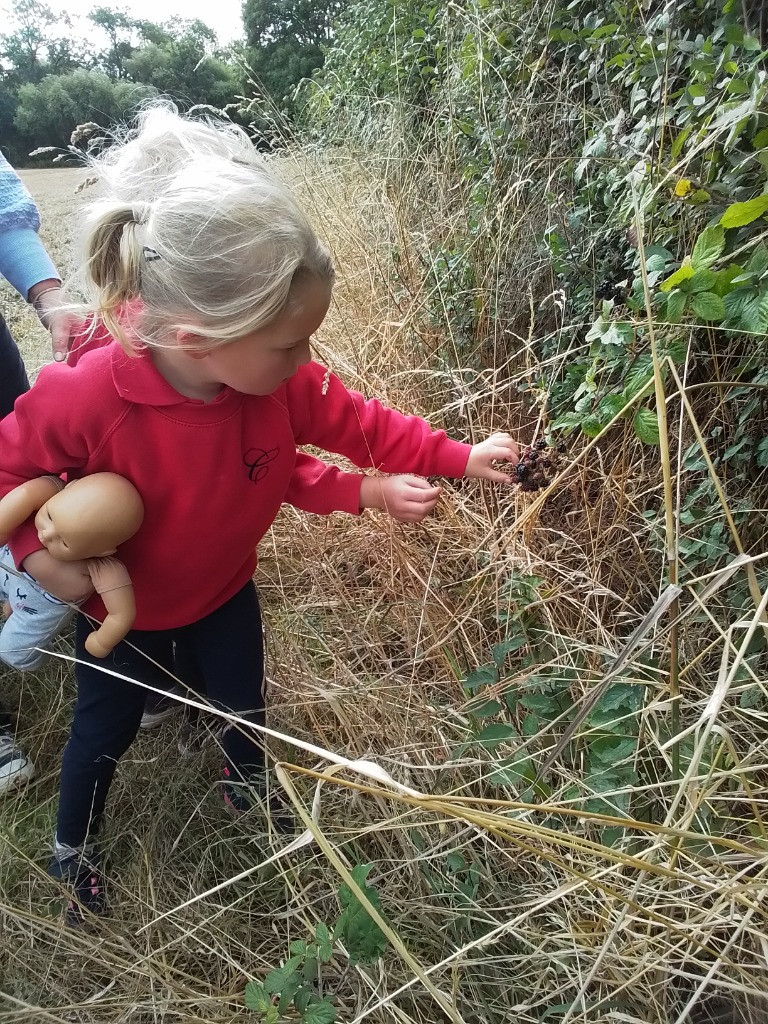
<point x="23" y="259"/>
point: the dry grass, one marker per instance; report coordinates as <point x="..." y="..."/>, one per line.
<point x="372" y="627"/>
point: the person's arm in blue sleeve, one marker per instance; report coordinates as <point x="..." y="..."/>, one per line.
<point x="24" y="261"/>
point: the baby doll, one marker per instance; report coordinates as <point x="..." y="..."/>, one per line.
<point x="81" y="524"/>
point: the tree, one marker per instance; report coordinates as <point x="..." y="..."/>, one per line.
<point x="48" y="112"/>
<point x="287" y="40"/>
<point x="121" y="30"/>
<point x="36" y="45"/>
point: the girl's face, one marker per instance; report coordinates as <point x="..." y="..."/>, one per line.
<point x="259" y="362"/>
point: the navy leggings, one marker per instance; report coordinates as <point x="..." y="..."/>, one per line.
<point x="221" y="655"/>
<point x="13" y="376"/>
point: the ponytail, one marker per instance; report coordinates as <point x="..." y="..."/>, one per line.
<point x="114" y="261"/>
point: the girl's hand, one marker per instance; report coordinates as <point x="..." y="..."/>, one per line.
<point x="409" y="499"/>
<point x="498" y="448"/>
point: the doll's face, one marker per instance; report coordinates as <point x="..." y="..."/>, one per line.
<point x="64" y="538"/>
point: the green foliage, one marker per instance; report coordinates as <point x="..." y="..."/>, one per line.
<point x="298" y="982"/>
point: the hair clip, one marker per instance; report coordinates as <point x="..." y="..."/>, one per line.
<point x="149" y="254"/>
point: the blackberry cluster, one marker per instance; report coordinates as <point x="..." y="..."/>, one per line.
<point x="538" y="465"/>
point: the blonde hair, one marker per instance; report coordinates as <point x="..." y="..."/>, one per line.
<point x="198" y="228"/>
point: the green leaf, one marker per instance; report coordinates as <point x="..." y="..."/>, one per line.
<point x="761" y="454"/>
<point x="754" y="315"/>
<point x="592" y="425"/>
<point x="680" y="275"/>
<point x="256" y="998"/>
<point x="611" y="749"/>
<point x="758" y="260"/>
<point x="646" y="424"/>
<point x="656" y="258"/>
<point x="702" y="281"/>
<point x="709" y="245"/>
<point x="486" y="710"/>
<point x="323" y="1012"/>
<point x="324" y="943"/>
<point x="508" y="646"/>
<point x="739" y="214"/>
<point x="364" y="940"/>
<point x="493" y="735"/>
<point x="611" y="405"/>
<point x="276" y="980"/>
<point x="302" y="998"/>
<point x="675" y="305"/>
<point x="735" y="302"/>
<point x="724" y="279"/>
<point x="638" y="376"/>
<point x="708" y="306"/>
<point x="486" y="675"/>
<point x="761" y="139"/>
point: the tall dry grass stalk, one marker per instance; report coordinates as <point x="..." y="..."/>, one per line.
<point x="496" y="908"/>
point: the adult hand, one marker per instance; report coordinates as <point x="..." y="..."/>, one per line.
<point x="48" y="299"/>
<point x="497" y="448"/>
<point x="409" y="499"/>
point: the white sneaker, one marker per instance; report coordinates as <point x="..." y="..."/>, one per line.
<point x="15" y="767"/>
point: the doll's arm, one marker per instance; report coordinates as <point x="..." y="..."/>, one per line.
<point x="23" y="501"/>
<point x="111" y="580"/>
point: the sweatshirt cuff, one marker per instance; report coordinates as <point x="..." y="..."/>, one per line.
<point x="454" y="456"/>
<point x="24" y="261"/>
<point x="347" y="493"/>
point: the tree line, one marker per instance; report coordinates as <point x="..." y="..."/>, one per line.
<point x="52" y="78"/>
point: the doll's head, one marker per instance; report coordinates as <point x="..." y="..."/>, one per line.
<point x="90" y="517"/>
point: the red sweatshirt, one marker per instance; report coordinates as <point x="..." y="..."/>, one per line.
<point x="212" y="475"/>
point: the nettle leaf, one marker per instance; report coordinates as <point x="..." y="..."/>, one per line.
<point x="256" y="998"/>
<point x="709" y="245"/>
<point x="646" y="424"/>
<point x="680" y="275"/>
<point x="708" y="306"/>
<point x="739" y="214"/>
<point x="675" y="306"/>
<point x="324" y="942"/>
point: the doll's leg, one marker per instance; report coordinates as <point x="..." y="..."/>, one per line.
<point x="36" y="617"/>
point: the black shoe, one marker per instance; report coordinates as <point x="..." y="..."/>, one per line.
<point x="15" y="767"/>
<point x="159" y="706"/>
<point x="82" y="877"/>
<point x="241" y="797"/>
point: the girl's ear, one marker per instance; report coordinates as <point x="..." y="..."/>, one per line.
<point x="193" y="345"/>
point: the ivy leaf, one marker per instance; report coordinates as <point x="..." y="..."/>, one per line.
<point x="708" y="306"/>
<point x="646" y="424"/>
<point x="684" y="272"/>
<point x="323" y="1012"/>
<point x="709" y="245"/>
<point x="739" y="214"/>
<point x="256" y="998"/>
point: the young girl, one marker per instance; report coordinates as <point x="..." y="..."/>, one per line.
<point x="201" y="405"/>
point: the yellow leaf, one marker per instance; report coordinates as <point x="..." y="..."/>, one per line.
<point x="683" y="187"/>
